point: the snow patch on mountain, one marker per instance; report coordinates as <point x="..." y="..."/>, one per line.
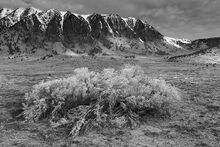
<point x="175" y="42"/>
<point x="29" y="11"/>
<point x="141" y="40"/>
<point x="4" y="12"/>
<point x="62" y="16"/>
<point x="126" y="23"/>
<point x="186" y="41"/>
<point x="16" y="14"/>
<point x="47" y="16"/>
<point x="133" y="19"/>
<point x="85" y="16"/>
<point x="172" y="41"/>
<point x="109" y="28"/>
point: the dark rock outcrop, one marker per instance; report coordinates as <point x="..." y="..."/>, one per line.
<point x="75" y="28"/>
<point x="99" y="26"/>
<point x="54" y="28"/>
<point x="146" y="32"/>
<point x="29" y="24"/>
<point x="119" y="26"/>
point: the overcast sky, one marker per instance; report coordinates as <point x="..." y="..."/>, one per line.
<point x="175" y="18"/>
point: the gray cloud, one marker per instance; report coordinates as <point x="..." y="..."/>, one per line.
<point x="176" y="18"/>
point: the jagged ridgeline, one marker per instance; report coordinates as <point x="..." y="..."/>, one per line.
<point x="29" y="30"/>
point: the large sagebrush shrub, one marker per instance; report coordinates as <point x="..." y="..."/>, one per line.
<point x="98" y="97"/>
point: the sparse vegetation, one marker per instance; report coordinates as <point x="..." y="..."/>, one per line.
<point x="197" y="111"/>
<point x="130" y="56"/>
<point x="95" y="51"/>
<point x="90" y="98"/>
<point x="5" y="83"/>
<point x="47" y="56"/>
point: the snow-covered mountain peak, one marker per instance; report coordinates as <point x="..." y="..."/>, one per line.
<point x="47" y="15"/>
<point x="10" y="17"/>
<point x="29" y="11"/>
<point x="4" y="12"/>
<point x="15" y="15"/>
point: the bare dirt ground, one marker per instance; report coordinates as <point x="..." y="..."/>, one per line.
<point x="195" y="124"/>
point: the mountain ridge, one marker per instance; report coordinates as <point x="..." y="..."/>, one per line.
<point x="31" y="29"/>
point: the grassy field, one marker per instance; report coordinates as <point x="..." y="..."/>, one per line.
<point x="196" y="123"/>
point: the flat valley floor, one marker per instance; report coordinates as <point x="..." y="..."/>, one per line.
<point x="195" y="124"/>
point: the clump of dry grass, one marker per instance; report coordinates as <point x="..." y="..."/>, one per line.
<point x="5" y="82"/>
<point x="110" y="97"/>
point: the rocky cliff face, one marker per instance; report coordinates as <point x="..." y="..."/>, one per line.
<point x="30" y="30"/>
<point x="99" y="26"/>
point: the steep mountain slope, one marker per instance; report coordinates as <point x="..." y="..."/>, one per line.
<point x="30" y="30"/>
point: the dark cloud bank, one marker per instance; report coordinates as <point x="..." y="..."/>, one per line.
<point x="175" y="18"/>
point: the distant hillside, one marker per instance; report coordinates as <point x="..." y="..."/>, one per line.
<point x="207" y="55"/>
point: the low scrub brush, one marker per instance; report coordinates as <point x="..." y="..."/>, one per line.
<point x="87" y="98"/>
